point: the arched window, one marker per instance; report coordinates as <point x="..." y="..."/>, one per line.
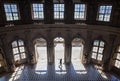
<point x="18" y="50"/>
<point x="97" y="50"/>
<point x="117" y="57"/>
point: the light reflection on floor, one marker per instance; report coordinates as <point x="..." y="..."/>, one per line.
<point x="16" y="75"/>
<point x="76" y="71"/>
<point x="76" y="61"/>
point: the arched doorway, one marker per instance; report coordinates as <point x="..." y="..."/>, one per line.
<point x="59" y="50"/>
<point x="41" y="55"/>
<point x="77" y="49"/>
<point x="77" y="55"/>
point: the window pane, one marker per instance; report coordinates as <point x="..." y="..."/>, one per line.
<point x="38" y="12"/>
<point x="117" y="64"/>
<point x="22" y="49"/>
<point x="14" y="44"/>
<point x="95" y="49"/>
<point x="118" y="56"/>
<point x="11" y="12"/>
<point x="15" y="50"/>
<point x="23" y="56"/>
<point x="20" y="42"/>
<point x="102" y="9"/>
<point x="99" y="57"/>
<point x="94" y="55"/>
<point x="96" y="42"/>
<point x="16" y="57"/>
<point x="104" y="13"/>
<point x="101" y="17"/>
<point x="102" y="43"/>
<point x="58" y="11"/>
<point x="101" y="50"/>
<point x="79" y="11"/>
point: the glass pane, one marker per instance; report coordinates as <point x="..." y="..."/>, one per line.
<point x="14" y="44"/>
<point x="17" y="57"/>
<point x="102" y="43"/>
<point x="118" y="56"/>
<point x="20" y="42"/>
<point x="101" y="17"/>
<point x="7" y="8"/>
<point x="101" y="50"/>
<point x="117" y="64"/>
<point x="95" y="49"/>
<point x="94" y="55"/>
<point x="22" y="49"/>
<point x="9" y="16"/>
<point x="102" y="9"/>
<point x="99" y="57"/>
<point x="96" y="43"/>
<point x="107" y="17"/>
<point x="23" y="56"/>
<point x="15" y="50"/>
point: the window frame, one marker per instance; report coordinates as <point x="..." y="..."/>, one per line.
<point x="32" y="11"/>
<point x="97" y="52"/>
<point x="59" y="12"/>
<point x="85" y="12"/>
<point x="117" y="51"/>
<point x="19" y="52"/>
<point x="97" y="18"/>
<point x="18" y="12"/>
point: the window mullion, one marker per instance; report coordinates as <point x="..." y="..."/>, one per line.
<point x="19" y="50"/>
<point x="98" y="49"/>
<point x="11" y="12"/>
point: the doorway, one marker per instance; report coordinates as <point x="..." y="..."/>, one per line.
<point x="59" y="50"/>
<point x="41" y="56"/>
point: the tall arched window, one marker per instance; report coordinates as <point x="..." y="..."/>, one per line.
<point x="97" y="50"/>
<point x="18" y="50"/>
<point x="117" y="57"/>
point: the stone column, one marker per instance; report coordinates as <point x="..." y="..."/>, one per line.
<point x="69" y="11"/>
<point x="50" y="47"/>
<point x="88" y="46"/>
<point x="29" y="48"/>
<point x="48" y="12"/>
<point x="8" y="53"/>
<point x="108" y="52"/>
<point x="68" y="48"/>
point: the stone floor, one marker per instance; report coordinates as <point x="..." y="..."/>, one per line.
<point x="76" y="71"/>
<point x="72" y="72"/>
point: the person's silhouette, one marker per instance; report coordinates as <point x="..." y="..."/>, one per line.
<point x="60" y="61"/>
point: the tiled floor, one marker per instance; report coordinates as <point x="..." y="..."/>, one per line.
<point x="73" y="72"/>
<point x="76" y="71"/>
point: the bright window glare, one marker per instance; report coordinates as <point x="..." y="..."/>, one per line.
<point x="103" y="74"/>
<point x="79" y="11"/>
<point x="104" y="13"/>
<point x="11" y="11"/>
<point x="16" y="75"/>
<point x="41" y="67"/>
<point x="38" y="11"/>
<point x="58" y="11"/>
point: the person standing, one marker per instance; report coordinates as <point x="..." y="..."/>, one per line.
<point x="60" y="62"/>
